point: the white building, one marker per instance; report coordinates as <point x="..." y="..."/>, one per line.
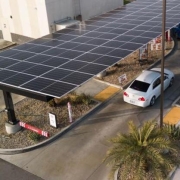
<point x="21" y="20"/>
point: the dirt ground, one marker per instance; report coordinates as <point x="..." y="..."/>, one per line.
<point x="36" y="112"/>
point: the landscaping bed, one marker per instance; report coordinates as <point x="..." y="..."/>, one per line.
<point x="36" y="113"/>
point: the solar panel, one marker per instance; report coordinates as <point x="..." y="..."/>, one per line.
<point x="58" y="89"/>
<point x="38" y="84"/>
<point x="18" y="79"/>
<point x="4" y="74"/>
<point x="8" y="62"/>
<point x="57" y="74"/>
<point x="21" y="66"/>
<point x="38" y="70"/>
<point x="60" y="62"/>
<point x="77" y="78"/>
<point x="38" y="58"/>
<point x="74" y="65"/>
<point x="114" y="44"/>
<point x="55" y="61"/>
<point x="22" y="55"/>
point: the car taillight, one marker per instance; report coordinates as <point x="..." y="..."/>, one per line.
<point x="142" y="99"/>
<point x="126" y="94"/>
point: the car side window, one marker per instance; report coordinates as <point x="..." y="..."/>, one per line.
<point x="165" y="77"/>
<point x="156" y="83"/>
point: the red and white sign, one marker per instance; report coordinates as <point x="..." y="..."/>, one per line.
<point x="158" y="46"/>
<point x="168" y="35"/>
<point x="122" y="78"/>
<point x="156" y="43"/>
<point x="70" y="112"/>
<point x="35" y="129"/>
<point x="143" y="52"/>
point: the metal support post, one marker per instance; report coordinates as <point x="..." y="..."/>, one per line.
<point x="162" y="62"/>
<point x="9" y="108"/>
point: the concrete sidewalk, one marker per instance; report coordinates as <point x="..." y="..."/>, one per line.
<point x="99" y="90"/>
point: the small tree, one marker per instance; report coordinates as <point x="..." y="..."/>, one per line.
<point x="141" y="153"/>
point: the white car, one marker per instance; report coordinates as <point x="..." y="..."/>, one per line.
<point x="146" y="88"/>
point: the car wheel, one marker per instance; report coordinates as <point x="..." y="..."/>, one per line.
<point x="171" y="82"/>
<point x="152" y="101"/>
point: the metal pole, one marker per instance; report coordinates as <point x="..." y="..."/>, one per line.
<point x="162" y="62"/>
<point x="9" y="108"/>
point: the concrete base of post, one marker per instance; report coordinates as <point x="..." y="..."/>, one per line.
<point x="102" y="74"/>
<point x="12" y="128"/>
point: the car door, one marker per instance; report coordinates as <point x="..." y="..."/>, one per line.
<point x="156" y="87"/>
<point x="166" y="82"/>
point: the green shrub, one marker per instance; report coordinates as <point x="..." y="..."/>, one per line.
<point x="82" y="98"/>
<point x="74" y="99"/>
<point x="34" y="136"/>
<point x="173" y="131"/>
<point x="126" y="2"/>
<point x="52" y="103"/>
<point x="62" y="101"/>
<point x="87" y="100"/>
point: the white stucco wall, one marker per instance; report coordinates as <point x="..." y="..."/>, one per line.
<point x="35" y="18"/>
<point x="91" y="8"/>
<point x="60" y="9"/>
<point x="29" y="17"/>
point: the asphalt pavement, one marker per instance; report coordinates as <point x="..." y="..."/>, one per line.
<point x="9" y="171"/>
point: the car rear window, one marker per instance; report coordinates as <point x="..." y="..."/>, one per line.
<point x="140" y="86"/>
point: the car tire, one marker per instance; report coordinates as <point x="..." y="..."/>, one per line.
<point x="171" y="82"/>
<point x="152" y="102"/>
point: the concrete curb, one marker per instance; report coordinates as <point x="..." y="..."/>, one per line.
<point x="65" y="130"/>
<point x="174" y="103"/>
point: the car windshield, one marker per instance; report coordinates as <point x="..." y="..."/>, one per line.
<point x="140" y="86"/>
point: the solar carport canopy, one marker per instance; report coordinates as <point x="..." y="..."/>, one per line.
<point x="56" y="64"/>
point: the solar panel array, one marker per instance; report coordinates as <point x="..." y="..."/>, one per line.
<point x="60" y="62"/>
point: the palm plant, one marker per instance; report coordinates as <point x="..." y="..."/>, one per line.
<point x="141" y="153"/>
